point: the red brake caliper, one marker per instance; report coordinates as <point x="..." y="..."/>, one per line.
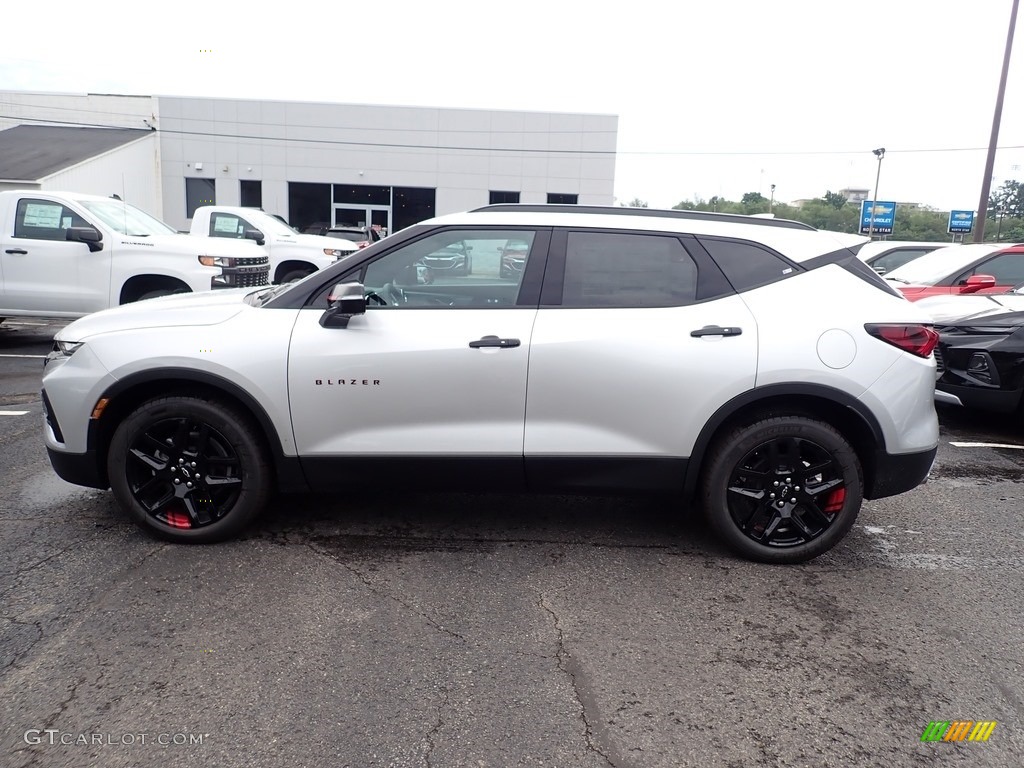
<point x="835" y="500"/>
<point x="179" y="520"/>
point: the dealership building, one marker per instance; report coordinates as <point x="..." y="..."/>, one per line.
<point x="311" y="163"/>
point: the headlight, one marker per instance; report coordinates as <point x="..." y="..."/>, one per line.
<point x="62" y="350"/>
<point x="217" y="261"/>
<point x="66" y="348"/>
<point x="334" y="252"/>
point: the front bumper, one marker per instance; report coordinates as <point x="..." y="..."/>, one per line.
<point x="78" y="468"/>
<point x="250" y="273"/>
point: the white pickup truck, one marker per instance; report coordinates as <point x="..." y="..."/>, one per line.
<point x="64" y="254"/>
<point x="292" y="255"/>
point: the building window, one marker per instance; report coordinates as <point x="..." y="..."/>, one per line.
<point x="361" y="194"/>
<point x="198" y="192"/>
<point x="309" y="206"/>
<point x="251" y="193"/>
<point x="498" y="197"/>
<point x="563" y="199"/>
<point x="412" y="205"/>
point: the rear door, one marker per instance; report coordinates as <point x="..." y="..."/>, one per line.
<point x="638" y="340"/>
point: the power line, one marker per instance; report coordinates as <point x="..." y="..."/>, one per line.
<point x="393" y="145"/>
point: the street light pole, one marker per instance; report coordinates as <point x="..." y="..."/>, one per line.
<point x="879" y="153"/>
<point x="771" y="203"/>
<point x="990" y="160"/>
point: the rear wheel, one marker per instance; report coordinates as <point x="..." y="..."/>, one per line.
<point x="188" y="469"/>
<point x="295" y="274"/>
<point x="783" y="490"/>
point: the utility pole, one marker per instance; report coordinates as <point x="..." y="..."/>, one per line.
<point x="990" y="160"/>
<point x="879" y="153"/>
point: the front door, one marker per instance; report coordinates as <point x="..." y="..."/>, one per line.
<point x="44" y="272"/>
<point x="435" y="368"/>
<point x="363" y="216"/>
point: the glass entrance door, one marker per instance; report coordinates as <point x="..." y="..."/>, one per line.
<point x="363" y="216"/>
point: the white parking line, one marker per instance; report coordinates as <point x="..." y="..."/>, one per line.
<point x="38" y="357"/>
<point x="13" y="413"/>
<point x="987" y="445"/>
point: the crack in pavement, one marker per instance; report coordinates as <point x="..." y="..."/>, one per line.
<point x="384" y="593"/>
<point x="437" y="728"/>
<point x="568" y="666"/>
<point x="38" y="625"/>
<point x="48" y="725"/>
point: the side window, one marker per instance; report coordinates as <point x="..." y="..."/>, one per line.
<point x="45" y="220"/>
<point x="1007" y="269"/>
<point x="747" y="265"/>
<point x="896" y="259"/>
<point x="455" y="268"/>
<point x="227" y="225"/>
<point x="605" y="269"/>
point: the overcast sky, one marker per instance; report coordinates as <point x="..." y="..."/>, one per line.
<point x="716" y="97"/>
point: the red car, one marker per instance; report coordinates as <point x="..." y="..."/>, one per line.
<point x="960" y="269"/>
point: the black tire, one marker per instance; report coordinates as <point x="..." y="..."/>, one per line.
<point x="782" y="490"/>
<point x="294" y="274"/>
<point x="166" y="444"/>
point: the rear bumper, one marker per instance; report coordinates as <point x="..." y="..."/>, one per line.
<point x="897" y="473"/>
<point x="981" y="398"/>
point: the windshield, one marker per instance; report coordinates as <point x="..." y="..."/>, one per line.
<point x="932" y="267"/>
<point x="271" y="226"/>
<point x="126" y="219"/>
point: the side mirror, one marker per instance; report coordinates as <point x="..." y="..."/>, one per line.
<point x="88" y="235"/>
<point x="977" y="283"/>
<point x="347" y="300"/>
<point x="254" y="234"/>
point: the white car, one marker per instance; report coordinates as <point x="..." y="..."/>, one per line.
<point x="753" y="365"/>
<point x="886" y="255"/>
<point x="292" y="255"/>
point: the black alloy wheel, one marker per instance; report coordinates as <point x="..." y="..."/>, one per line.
<point x="189" y="469"/>
<point x="783" y="490"/>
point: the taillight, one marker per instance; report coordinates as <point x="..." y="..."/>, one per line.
<point x="918" y="340"/>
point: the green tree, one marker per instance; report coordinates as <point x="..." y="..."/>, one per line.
<point x="636" y="202"/>
<point x="1008" y="200"/>
<point x="834" y="199"/>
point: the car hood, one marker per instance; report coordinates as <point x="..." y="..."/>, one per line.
<point x="206" y="308"/>
<point x="317" y="241"/>
<point x="948" y="310"/>
<point x="196" y="245"/>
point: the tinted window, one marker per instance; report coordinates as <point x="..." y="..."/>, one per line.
<point x="45" y="220"/>
<point x="605" y="269"/>
<point x="503" y="197"/>
<point x="563" y="199"/>
<point x="1007" y="269"/>
<point x="890" y="261"/>
<point x="251" y="193"/>
<point x="747" y="265"/>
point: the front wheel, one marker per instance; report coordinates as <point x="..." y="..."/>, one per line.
<point x="782" y="490"/>
<point x="189" y="469"/>
<point x="294" y="275"/>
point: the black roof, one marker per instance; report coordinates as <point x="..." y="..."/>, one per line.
<point x="33" y="152"/>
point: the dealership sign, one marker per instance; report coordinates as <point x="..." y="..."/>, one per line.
<point x="877" y="217"/>
<point x="961" y="222"/>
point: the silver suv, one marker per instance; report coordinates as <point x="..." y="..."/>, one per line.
<point x="754" y="367"/>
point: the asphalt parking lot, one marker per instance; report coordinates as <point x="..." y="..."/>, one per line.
<point x="391" y="628"/>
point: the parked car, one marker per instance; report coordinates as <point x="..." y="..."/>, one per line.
<point x="753" y="367"/>
<point x="292" y="255"/>
<point x="65" y="254"/>
<point x="948" y="308"/>
<point x="512" y="258"/>
<point x="454" y="257"/>
<point x="980" y="360"/>
<point x="959" y="269"/>
<point x="886" y="255"/>
<point x="361" y="236"/>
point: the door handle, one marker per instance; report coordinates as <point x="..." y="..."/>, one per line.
<point x="494" y="341"/>
<point x="716" y="330"/>
<point x="21" y="251"/>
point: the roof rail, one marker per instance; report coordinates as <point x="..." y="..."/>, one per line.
<point x="610" y="210"/>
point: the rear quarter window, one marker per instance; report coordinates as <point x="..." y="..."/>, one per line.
<point x="747" y="265"/>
